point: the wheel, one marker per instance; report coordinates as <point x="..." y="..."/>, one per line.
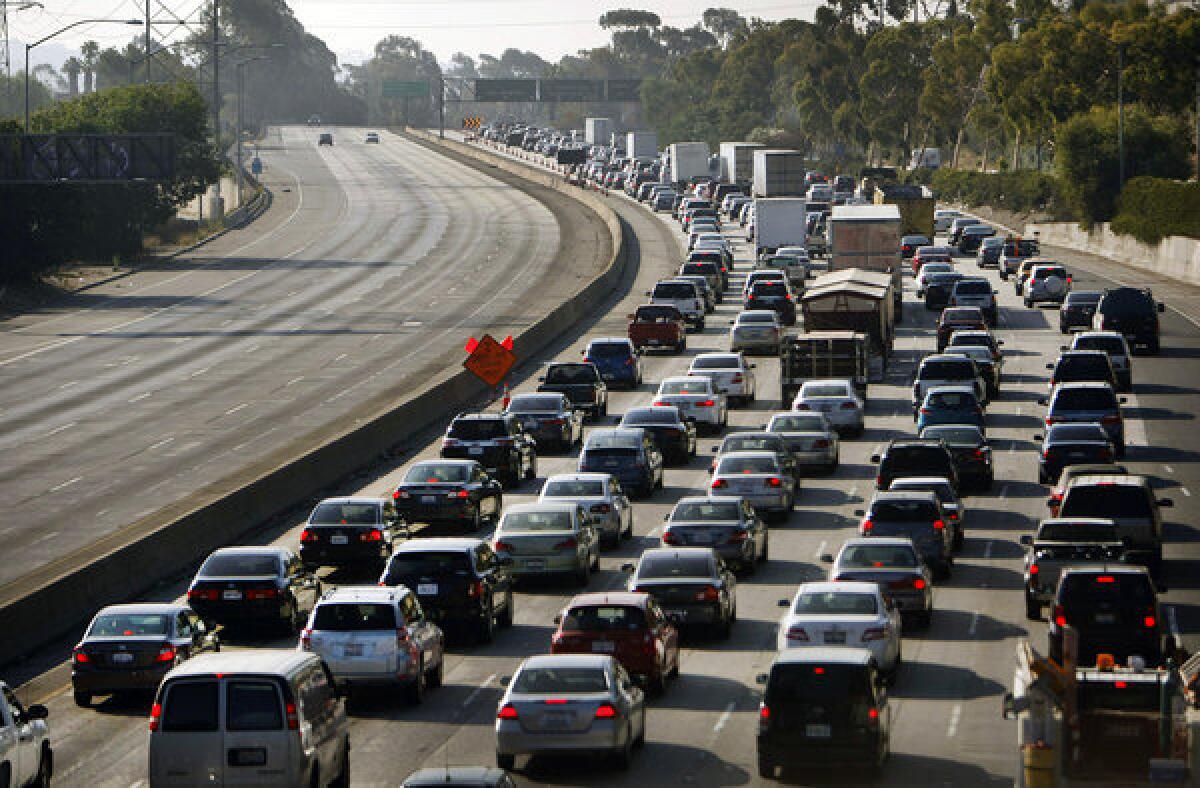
<point x="762" y="559"/>
<point x="628" y="532"/>
<point x="1033" y="609"/>
<point x="1153" y="346"/>
<point x="414" y="693"/>
<point x="640" y="741"/>
<point x="343" y="778"/>
<point x="657" y="684"/>
<point x="83" y="699"/>
<point x="435" y="676"/>
<point x="681" y="346"/>
<point x="506" y="762"/>
<point x="583" y="573"/>
<point x="1028" y="303"/>
<point x="487" y="626"/>
<point x="725" y="628"/>
<point x="623" y="756"/>
<point x="766" y="769"/>
<point x="959" y="538"/>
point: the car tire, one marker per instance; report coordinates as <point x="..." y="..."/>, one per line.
<point x="83" y="699"/>
<point x="506" y="762"/>
<point x="640" y="741"/>
<point x="628" y="532"/>
<point x="476" y="521"/>
<point x="486" y="628"/>
<point x="1154" y="346"/>
<point x="583" y="574"/>
<point x="766" y="769"/>
<point x="959" y="538"/>
<point x="656" y="685"/>
<point x="45" y="769"/>
<point x="1033" y="609"/>
<point x="414" y="691"/>
<point x="531" y="473"/>
<point x="724" y="630"/>
<point x="623" y="756"/>
<point x="766" y="553"/>
<point x="681" y="346"/>
<point x="437" y="675"/>
<point x="506" y="618"/>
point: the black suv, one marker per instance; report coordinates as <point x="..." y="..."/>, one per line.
<point x="1114" y="610"/>
<point x="496" y="441"/>
<point x="1130" y="311"/>
<point x="909" y="457"/>
<point x="458" y="581"/>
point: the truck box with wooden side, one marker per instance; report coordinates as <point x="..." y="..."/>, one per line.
<point x="818" y="355"/>
<point x="916" y="204"/>
<point x="867" y="237"/>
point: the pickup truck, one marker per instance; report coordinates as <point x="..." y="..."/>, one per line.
<point x="25" y="755"/>
<point x="580" y="381"/>
<point x="658" y="326"/>
<point x="1063" y="541"/>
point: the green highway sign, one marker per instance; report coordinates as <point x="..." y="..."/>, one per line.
<point x="572" y="90"/>
<point x="395" y="88"/>
<point x="506" y="90"/>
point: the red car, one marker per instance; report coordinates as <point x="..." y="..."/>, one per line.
<point x="630" y="626"/>
<point x="958" y="318"/>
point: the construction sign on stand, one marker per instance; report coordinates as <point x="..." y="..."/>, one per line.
<point x="490" y="360"/>
<point x="472" y="122"/>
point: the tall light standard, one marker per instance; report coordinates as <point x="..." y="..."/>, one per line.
<point x="60" y="31"/>
<point x="241" y="88"/>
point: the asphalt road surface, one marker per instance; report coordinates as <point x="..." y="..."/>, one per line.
<point x="371" y="269"/>
<point x="946" y="703"/>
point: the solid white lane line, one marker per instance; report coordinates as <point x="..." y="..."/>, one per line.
<point x="1168" y="469"/>
<point x="66" y="484"/>
<point x="340" y="357"/>
<point x="293" y="380"/>
<point x="236" y="408"/>
<point x="63" y="428"/>
<point x="725" y="715"/>
<point x="251" y="349"/>
<point x="955" y="715"/>
<point x="475" y="693"/>
<point x="199" y="372"/>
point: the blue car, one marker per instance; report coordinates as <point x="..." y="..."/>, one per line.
<point x="629" y="454"/>
<point x="951" y="405"/>
<point x="617" y="360"/>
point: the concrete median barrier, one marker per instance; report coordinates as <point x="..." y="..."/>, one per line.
<point x="57" y="599"/>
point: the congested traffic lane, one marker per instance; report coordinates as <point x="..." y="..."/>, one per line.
<point x="946" y="704"/>
<point x="143" y="391"/>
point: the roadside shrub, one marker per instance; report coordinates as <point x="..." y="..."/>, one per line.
<point x="1021" y="191"/>
<point x="1151" y="209"/>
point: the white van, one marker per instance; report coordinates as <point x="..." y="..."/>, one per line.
<point x="261" y="717"/>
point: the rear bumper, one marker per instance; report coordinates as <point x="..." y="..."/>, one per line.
<point x="694" y="614"/>
<point x="452" y="509"/>
<point x="602" y="736"/>
<point x="239" y="612"/>
<point x="796" y="750"/>
<point x="103" y="682"/>
<point x="341" y="555"/>
<point x="529" y="566"/>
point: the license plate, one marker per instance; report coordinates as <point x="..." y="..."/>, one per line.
<point x="231" y="595"/>
<point x="427" y="589"/>
<point x="653" y="341"/>
<point x="1122" y="731"/>
<point x="475" y="451"/>
<point x="535" y="563"/>
<point x="835" y="637"/>
<point x="817" y="731"/>
<point x="122" y="657"/>
<point x="556" y="720"/>
<point x="430" y="498"/>
<point x="352" y="650"/>
<point x="339" y="539"/>
<point x="680" y="614"/>
<point x="1106" y="618"/>
<point x="613" y="463"/>
<point x="603" y="646"/>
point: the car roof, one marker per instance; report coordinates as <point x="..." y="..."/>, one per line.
<point x="841" y="655"/>
<point x="630" y="598"/>
<point x="610" y="341"/>
<point x="757" y="312"/>
<point x="857" y="586"/>
<point x="956" y="389"/>
<point x="443" y="543"/>
<point x="722" y="356"/>
<point x="573" y="660"/>
<point x="144" y="608"/>
<point x="363" y="594"/>
<point x="701" y="378"/>
<point x="1082" y="384"/>
<point x="709" y="499"/>
<point x="904" y="480"/>
<point x="1106" y="569"/>
<point x="540" y="506"/>
<point x="676" y="551"/>
<point x="879" y="541"/>
<point x="747" y="454"/>
<point x="353" y="499"/>
<point x="431" y="461"/>
<point x="252" y="550"/>
<point x="942" y="356"/>
<point x="903" y="443"/>
<point x="273" y="661"/>
<point x="580" y="476"/>
<point x="1110" y="480"/>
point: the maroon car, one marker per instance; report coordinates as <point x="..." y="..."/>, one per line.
<point x="629" y="626"/>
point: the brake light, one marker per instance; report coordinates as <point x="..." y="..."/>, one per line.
<point x="81" y="657"/>
<point x="924" y="410"/>
<point x="605" y="711"/>
<point x="1106" y="579"/>
<point x="873" y="717"/>
<point x="308" y="536"/>
<point x="719" y="483"/>
<point x="293" y="720"/>
<point x="764" y="716"/>
<point x="797" y="634"/>
<point x="1050" y="420"/>
<point x="503" y="547"/>
<point x="939" y="525"/>
<point x="306" y="638"/>
<point x="165" y="654"/>
<point x="708" y="403"/>
<point x="204" y="594"/>
<point x="669" y="537"/>
<point x="952" y="516"/>
<point x="708" y="594"/>
<point x="1120" y="684"/>
<point x="867" y="526"/>
<point x="1034" y="569"/>
<point x="979" y="454"/>
<point x="569" y="543"/>
<point x="774" y="481"/>
<point x="155" y="716"/>
<point x="658" y="403"/>
<point x="507" y="712"/>
<point x="601" y="508"/>
<point x="261" y="593"/>
<point x="737" y="377"/>
<point x="1150" y="622"/>
<point x="1060" y="616"/>
<point x="400" y="494"/>
<point x="1110" y="420"/>
<point x="374" y="535"/>
<point x="875" y="633"/>
<point x="919" y="583"/>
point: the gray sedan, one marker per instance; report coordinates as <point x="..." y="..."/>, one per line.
<point x="548" y="539"/>
<point x="727" y="524"/>
<point x="814" y="443"/>
<point x="549" y="417"/>
<point x="600" y="495"/>
<point x="758" y="477"/>
<point x="570" y="703"/>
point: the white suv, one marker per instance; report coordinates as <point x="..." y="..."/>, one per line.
<point x="684" y="296"/>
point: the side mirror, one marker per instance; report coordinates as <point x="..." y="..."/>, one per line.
<point x="1037" y="437"/>
<point x="761" y="678"/>
<point x="1122" y="400"/>
<point x="1001" y="342"/>
<point x="1027" y="540"/>
<point x="827" y="558"/>
<point x="1166" y="503"/>
<point x="716" y="449"/>
<point x="627" y="567"/>
<point x="1041" y="400"/>
<point x="1049" y="366"/>
<point x="753" y="366"/>
<point x="558" y="618"/>
<point x="504" y="681"/>
<point x="874" y="458"/>
<point x="541" y="378"/>
<point x="859" y="513"/>
<point x="37" y="712"/>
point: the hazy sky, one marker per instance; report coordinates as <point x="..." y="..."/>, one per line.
<point x="351" y="28"/>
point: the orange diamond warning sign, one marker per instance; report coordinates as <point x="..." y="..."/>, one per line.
<point x="490" y="361"/>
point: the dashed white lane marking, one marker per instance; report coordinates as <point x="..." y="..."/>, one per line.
<point x="160" y="444"/>
<point x="724" y="718"/>
<point x="475" y="693"/>
<point x="66" y="484"/>
<point x="1172" y="620"/>
<point x="1004" y="492"/>
<point x="63" y="428"/>
<point x="199" y="372"/>
<point x="820" y="550"/>
<point x="68" y="385"/>
<point x="340" y="357"/>
<point x="1168" y="469"/>
<point x="141" y="397"/>
<point x="252" y="348"/>
<point x="236" y="408"/>
<point x="955" y="715"/>
<point x="293" y="380"/>
<point x="1185" y="492"/>
<point x="974" y="624"/>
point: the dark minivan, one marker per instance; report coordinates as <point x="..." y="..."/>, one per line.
<point x="914" y="457"/>
<point x="823" y="706"/>
<point x="1132" y="312"/>
<point x="631" y="455"/>
<point x="1114" y="610"/>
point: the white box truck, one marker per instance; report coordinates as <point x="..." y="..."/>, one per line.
<point x="641" y="145"/>
<point x="779" y="221"/>
<point x="868" y="237"/>
<point x="598" y="131"/>
<point x="689" y="161"/>
<point x="737" y="162"/>
<point x="779" y="173"/>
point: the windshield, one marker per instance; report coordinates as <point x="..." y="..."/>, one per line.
<point x="437" y="473"/>
<point x="111" y="625"/>
<point x="707" y="511"/>
<point x="575" y="373"/>
<point x="731" y="465"/>
<point x="1021" y="248"/>
<point x="561" y="681"/>
<point x="345" y="514"/>
<point x="690" y="386"/>
<point x="356" y="617"/>
<point x="536" y="521"/>
<point x="834" y="602"/>
<point x="878" y="556"/>
<point x="669" y="565"/>
<point x="240" y="565"/>
<point x="603" y="618"/>
<point x="573" y="488"/>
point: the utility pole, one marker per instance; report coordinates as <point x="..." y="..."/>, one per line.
<point x="146" y="54"/>
<point x="1120" y="117"/>
<point x="216" y="101"/>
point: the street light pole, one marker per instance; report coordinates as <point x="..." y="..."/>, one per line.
<point x="241" y="88"/>
<point x="216" y="101"/>
<point x="60" y="31"/>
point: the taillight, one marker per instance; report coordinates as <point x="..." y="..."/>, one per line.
<point x="1149" y="622"/>
<point x="80" y="656"/>
<point x="1106" y="579"/>
<point x="708" y="594"/>
<point x="939" y="525"/>
<point x="606" y="711"/>
<point x="797" y="634"/>
<point x="708" y="403"/>
<point x="874" y="633"/>
<point x="1034" y="569"/>
<point x="293" y="720"/>
<point x="658" y="403"/>
<point x="503" y="547"/>
<point x="764" y="716"/>
<point x="165" y="654"/>
<point x="719" y="483"/>
<point x="1060" y="616"/>
<point x="475" y="590"/>
<point x="569" y="543"/>
<point x="737" y="377"/>
<point x="867" y="526"/>
<point x="872" y="717"/>
<point x="306" y="638"/>
<point x="669" y="537"/>
<point x="919" y="583"/>
<point x="308" y="536"/>
<point x="848" y="406"/>
<point x="774" y="481"/>
<point x="155" y="716"/>
<point x="204" y="594"/>
<point x="400" y="494"/>
<point x="952" y="516"/>
<point x="374" y="535"/>
<point x="507" y="712"/>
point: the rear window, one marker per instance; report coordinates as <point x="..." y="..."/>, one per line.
<point x="674" y="290"/>
<point x="582" y="373"/>
<point x="1111" y="345"/>
<point x="973" y="288"/>
<point x="1084" y="399"/>
<point x="611" y="349"/>
<point x="791" y="685"/>
<point x="613" y="439"/>
<point x="757" y="317"/>
<point x="560" y="681"/>
<point x="771" y="289"/>
<point x="654" y="567"/>
<point x="1046" y="271"/>
<point x="944" y="279"/>
<point x="477" y="429"/>
<point x="1021" y="248"/>
<point x="1078" y="432"/>
<point x="603" y="618"/>
<point x="252" y="706"/>
<point x="927" y="459"/>
<point x="733" y="465"/>
<point x="1103" y="500"/>
<point x="1087" y="590"/>
<point x="951" y="399"/>
<point x="1077" y="532"/>
<point x="573" y="488"/>
<point x="700" y="269"/>
<point x="1126" y="301"/>
<point x="532" y="403"/>
<point x="515" y="522"/>
<point x="943" y="490"/>
<point x="1080" y="297"/>
<point x="954" y="435"/>
<point x="1083" y="365"/>
<point x="834" y="602"/>
<point x="879" y="556"/>
<point x="429" y="564"/>
<point x="345" y="514"/>
<point x="715" y="511"/>
<point x="190" y="707"/>
<point x="904" y="511"/>
<point x="128" y="625"/>
<point x="660" y="415"/>
<point x="813" y="423"/>
<point x="690" y="386"/>
<point x="715" y="362"/>
<point x="356" y="617"/>
<point x="822" y="390"/>
<point x="947" y="370"/>
<point x="437" y="472"/>
<point x="239" y="565"/>
<point x="1118" y="695"/>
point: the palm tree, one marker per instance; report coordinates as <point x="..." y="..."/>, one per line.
<point x="71" y="67"/>
<point x="90" y="51"/>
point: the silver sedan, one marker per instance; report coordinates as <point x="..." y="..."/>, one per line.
<point x="756" y="330"/>
<point x="601" y="497"/>
<point x="837" y="399"/>
<point x="758" y="477"/>
<point x="548" y="539"/>
<point x="570" y="703"/>
<point x="814" y="443"/>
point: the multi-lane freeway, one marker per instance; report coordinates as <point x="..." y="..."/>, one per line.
<point x="363" y="280"/>
<point x="947" y="724"/>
